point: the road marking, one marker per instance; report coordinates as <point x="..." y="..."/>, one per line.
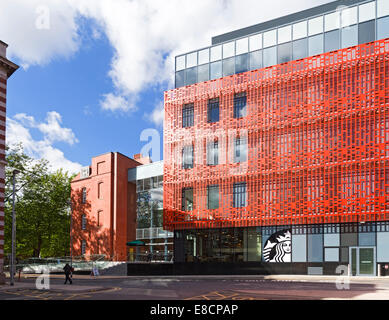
<point x="216" y="295"/>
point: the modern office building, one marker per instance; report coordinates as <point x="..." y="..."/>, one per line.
<point x="115" y="202"/>
<point x="276" y="145"/>
<point x="7" y="68"/>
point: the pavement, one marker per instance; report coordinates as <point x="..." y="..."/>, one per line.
<point x="271" y="287"/>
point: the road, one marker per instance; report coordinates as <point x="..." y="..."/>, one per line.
<point x="194" y="288"/>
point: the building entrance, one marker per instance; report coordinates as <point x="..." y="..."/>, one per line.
<point x="363" y="261"/>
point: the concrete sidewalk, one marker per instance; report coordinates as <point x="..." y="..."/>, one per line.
<point x="52" y="287"/>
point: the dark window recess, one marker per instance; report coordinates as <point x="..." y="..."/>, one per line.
<point x="83" y="195"/>
<point x="213" y="197"/>
<point x="187" y="157"/>
<point x="366" y="32"/>
<point x="187" y="199"/>
<point x="213" y="153"/>
<point x="213" y="110"/>
<point x="187" y="115"/>
<point x="240" y="101"/>
<point x="83" y="222"/>
<point x="239" y="195"/>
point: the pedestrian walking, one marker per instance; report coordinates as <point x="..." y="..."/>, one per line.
<point x="68" y="270"/>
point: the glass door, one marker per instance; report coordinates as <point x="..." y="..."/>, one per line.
<point x="363" y="261"/>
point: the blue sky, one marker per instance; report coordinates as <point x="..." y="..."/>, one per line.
<point x="93" y="72"/>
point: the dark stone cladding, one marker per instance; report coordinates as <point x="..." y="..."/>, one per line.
<point x="283" y="20"/>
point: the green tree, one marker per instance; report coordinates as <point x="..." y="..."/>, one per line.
<point x="41" y="205"/>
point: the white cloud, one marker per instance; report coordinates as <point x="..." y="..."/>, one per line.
<point x="145" y="34"/>
<point x="157" y="115"/>
<point x="19" y="131"/>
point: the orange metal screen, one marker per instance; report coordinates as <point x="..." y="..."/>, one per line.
<point x="318" y="143"/>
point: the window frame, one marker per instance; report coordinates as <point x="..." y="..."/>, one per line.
<point x="238" y="107"/>
<point x="238" y="194"/>
<point x="188" y="115"/>
<point x="183" y="199"/>
<point x="209" y="188"/>
<point x="213" y="104"/>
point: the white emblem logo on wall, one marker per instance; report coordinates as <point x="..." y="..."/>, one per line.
<point x="278" y="247"/>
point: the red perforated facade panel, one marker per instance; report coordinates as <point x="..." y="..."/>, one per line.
<point x="318" y="143"/>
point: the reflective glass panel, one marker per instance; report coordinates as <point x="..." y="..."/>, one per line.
<point x="191" y="60"/>
<point x="316" y="45"/>
<point x="242" y="46"/>
<point x="300" y="49"/>
<point x="366" y="32"/>
<point x="204" y="56"/>
<point x="269" y="38"/>
<point x="349" y="17"/>
<point x="285" y="52"/>
<point x="180" y="79"/>
<point x="213" y="197"/>
<point x="382" y="8"/>
<point x="228" y="49"/>
<point x="190" y="76"/>
<point x="300" y="30"/>
<point x="285" y="34"/>
<point x="350" y="36"/>
<point x="241" y="63"/>
<point x="228" y="66"/>
<point x="331" y="41"/>
<point x="216" y="70"/>
<point x="367" y="11"/>
<point x="255" y="42"/>
<point x="216" y="53"/>
<point x="256" y="60"/>
<point x="331" y="21"/>
<point x="315" y="26"/>
<point x="383" y="28"/>
<point x="180" y="63"/>
<point x="203" y="73"/>
<point x="270" y="57"/>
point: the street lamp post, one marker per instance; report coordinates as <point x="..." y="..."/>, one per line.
<point x="12" y="269"/>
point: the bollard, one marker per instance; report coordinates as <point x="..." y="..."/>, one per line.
<point x="20" y="271"/>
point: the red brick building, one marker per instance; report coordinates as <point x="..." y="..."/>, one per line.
<point x="7" y="68"/>
<point x="104" y="207"/>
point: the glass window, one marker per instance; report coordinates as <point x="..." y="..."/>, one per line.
<point x="83" y="222"/>
<point x="315" y="248"/>
<point x="187" y="115"/>
<point x="299" y="248"/>
<point x="187" y="199"/>
<point x="382" y="247"/>
<point x="331" y="254"/>
<point x="147" y="184"/>
<point x="191" y="60"/>
<point x="160" y="181"/>
<point x="382" y="8"/>
<point x="204" y="56"/>
<point x="270" y="57"/>
<point x="239" y="195"/>
<point x="216" y="53"/>
<point x="349" y="17"/>
<point x="269" y="38"/>
<point x="216" y="70"/>
<point x="241" y="63"/>
<point x="300" y="49"/>
<point x="213" y="153"/>
<point x="316" y="45"/>
<point x="332" y="21"/>
<point x="180" y="63"/>
<point x="213" y="110"/>
<point x="350" y="36"/>
<point x="190" y="76"/>
<point x="348" y="239"/>
<point x="228" y="66"/>
<point x="284" y="34"/>
<point x="367" y="11"/>
<point x="83" y="247"/>
<point x="213" y="197"/>
<point x="240" y="101"/>
<point x="203" y="73"/>
<point x="383" y="28"/>
<point x="180" y="79"/>
<point x="300" y="30"/>
<point x="242" y="46"/>
<point x="255" y="42"/>
<point x="139" y="185"/>
<point x="366" y="32"/>
<point x="256" y="60"/>
<point x="285" y="52"/>
<point x="187" y="157"/>
<point x="331" y="41"/>
<point x="83" y="195"/>
<point x="367" y="239"/>
<point x="332" y="240"/>
<point x="240" y="150"/>
<point x="315" y="26"/>
<point x="228" y="49"/>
